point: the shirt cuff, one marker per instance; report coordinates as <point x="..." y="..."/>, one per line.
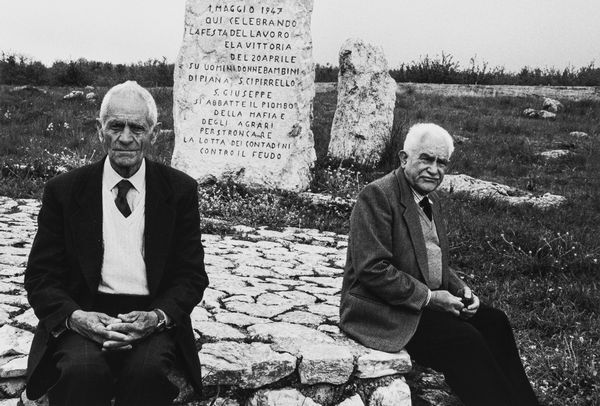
<point x="428" y="298"/>
<point x="168" y="322"/>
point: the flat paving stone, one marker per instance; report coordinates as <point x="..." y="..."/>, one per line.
<point x="239" y="319"/>
<point x="14" y="341"/>
<point x="213" y="331"/>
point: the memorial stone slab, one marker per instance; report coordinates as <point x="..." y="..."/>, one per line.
<point x="243" y="92"/>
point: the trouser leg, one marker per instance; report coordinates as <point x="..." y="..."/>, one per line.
<point x="495" y="327"/>
<point x="457" y="349"/>
<point x="143" y="373"/>
<point x="84" y="375"/>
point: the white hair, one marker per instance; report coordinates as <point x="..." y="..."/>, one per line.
<point x="418" y="131"/>
<point x="130" y="86"/>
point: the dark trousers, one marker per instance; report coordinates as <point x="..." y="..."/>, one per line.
<point x="89" y="376"/>
<point x="478" y="357"/>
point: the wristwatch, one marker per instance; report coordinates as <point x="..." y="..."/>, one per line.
<point x="160" y="326"/>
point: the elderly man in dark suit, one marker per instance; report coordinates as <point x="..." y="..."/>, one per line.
<point x="398" y="290"/>
<point x="116" y="268"/>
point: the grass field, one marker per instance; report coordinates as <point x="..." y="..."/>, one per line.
<point x="541" y="267"/>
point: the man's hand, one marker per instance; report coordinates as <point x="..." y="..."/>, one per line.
<point x="94" y="326"/>
<point x="134" y="325"/>
<point x="473" y="303"/>
<point x="444" y="301"/>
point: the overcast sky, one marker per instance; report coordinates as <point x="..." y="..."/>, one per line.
<point x="511" y="33"/>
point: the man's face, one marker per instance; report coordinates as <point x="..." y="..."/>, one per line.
<point x="126" y="132"/>
<point x="425" y="167"/>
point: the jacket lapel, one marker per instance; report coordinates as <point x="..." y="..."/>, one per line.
<point x="86" y="223"/>
<point x="411" y="218"/>
<point x="159" y="225"/>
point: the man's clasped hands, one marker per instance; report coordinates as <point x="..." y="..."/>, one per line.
<point x="114" y="333"/>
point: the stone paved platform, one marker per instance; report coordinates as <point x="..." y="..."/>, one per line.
<point x="267" y="324"/>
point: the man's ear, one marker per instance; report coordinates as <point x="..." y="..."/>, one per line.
<point x="403" y="157"/>
<point x="99" y="130"/>
<point x="155" y="132"/>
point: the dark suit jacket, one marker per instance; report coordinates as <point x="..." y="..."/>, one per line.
<point x="63" y="271"/>
<point x="386" y="273"/>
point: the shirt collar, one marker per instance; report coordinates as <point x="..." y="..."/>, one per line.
<point x="418" y="196"/>
<point x="110" y="177"/>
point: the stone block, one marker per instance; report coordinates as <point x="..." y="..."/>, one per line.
<point x="244" y="365"/>
<point x="280" y="397"/>
<point x="374" y="364"/>
<point x="352" y="401"/>
<point x="397" y="393"/>
<point x="325" y="363"/>
<point x="14" y="341"/>
<point x="13" y="367"/>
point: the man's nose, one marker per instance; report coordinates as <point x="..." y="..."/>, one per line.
<point x="126" y="136"/>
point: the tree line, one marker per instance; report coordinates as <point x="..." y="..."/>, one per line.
<point x="21" y="70"/>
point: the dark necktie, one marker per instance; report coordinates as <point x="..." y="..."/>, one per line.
<point x="426" y="206"/>
<point x="121" y="199"/>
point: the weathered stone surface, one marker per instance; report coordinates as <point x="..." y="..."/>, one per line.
<point x="28" y="319"/>
<point x="14" y="341"/>
<point x="352" y="401"/>
<point x="543" y="114"/>
<point x="256" y="309"/>
<point x="323" y="393"/>
<point x="301" y="317"/>
<point x="287" y="332"/>
<point x="214" y="331"/>
<point x="244" y="365"/>
<point x="13" y="368"/>
<point x="242" y="106"/>
<point x="75" y="94"/>
<point x="12" y="388"/>
<point x="555" y="153"/>
<point x="397" y="393"/>
<point x="364" y="115"/>
<point x="373" y="364"/>
<point x="325" y="363"/>
<point x="218" y="402"/>
<point x="43" y="401"/>
<point x="27" y="88"/>
<point x="280" y="397"/>
<point x="239" y="319"/>
<point x="211" y="298"/>
<point x="483" y="189"/>
<point x="199" y="314"/>
<point x="552" y="105"/>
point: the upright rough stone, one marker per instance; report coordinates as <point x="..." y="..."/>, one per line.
<point x="243" y="92"/>
<point x="363" y="119"/>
